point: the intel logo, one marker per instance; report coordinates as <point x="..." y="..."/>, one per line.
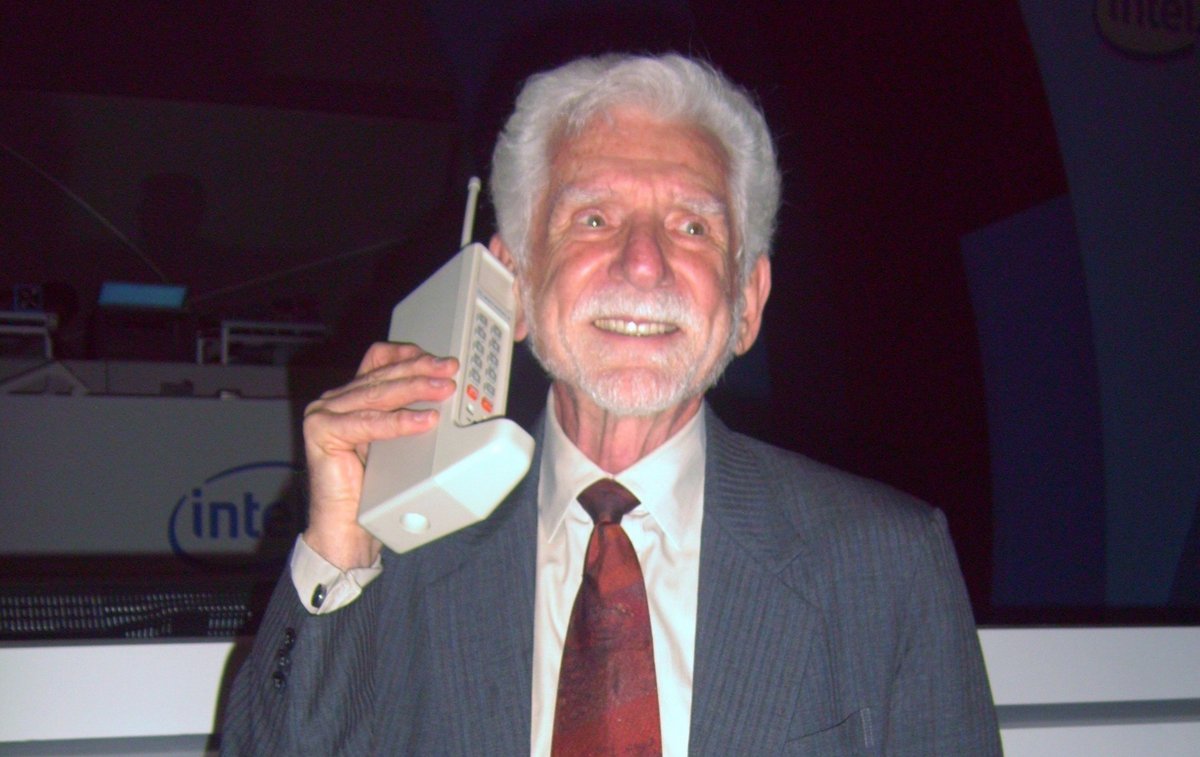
<point x="1149" y="28"/>
<point x="248" y="512"/>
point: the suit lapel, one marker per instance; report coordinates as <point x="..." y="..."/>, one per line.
<point x="753" y="630"/>
<point x="483" y="610"/>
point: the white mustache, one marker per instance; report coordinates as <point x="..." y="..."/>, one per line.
<point x="663" y="307"/>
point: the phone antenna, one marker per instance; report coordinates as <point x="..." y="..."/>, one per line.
<point x="468" y="230"/>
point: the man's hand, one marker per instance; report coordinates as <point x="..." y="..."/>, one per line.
<point x="342" y="422"/>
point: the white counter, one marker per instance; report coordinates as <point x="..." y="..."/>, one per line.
<point x="1112" y="691"/>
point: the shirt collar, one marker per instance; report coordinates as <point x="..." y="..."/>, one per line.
<point x="669" y="482"/>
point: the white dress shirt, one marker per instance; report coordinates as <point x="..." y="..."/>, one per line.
<point x="664" y="530"/>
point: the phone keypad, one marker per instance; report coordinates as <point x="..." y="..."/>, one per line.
<point x="485" y="356"/>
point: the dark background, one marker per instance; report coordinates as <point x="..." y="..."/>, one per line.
<point x="901" y="128"/>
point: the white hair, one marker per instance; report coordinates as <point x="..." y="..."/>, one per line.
<point x="558" y="104"/>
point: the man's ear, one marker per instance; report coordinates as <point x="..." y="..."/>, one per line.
<point x="505" y="256"/>
<point x="756" y="290"/>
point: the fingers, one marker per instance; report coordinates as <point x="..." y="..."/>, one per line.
<point x="333" y="432"/>
<point x="394" y="375"/>
<point x="379" y="402"/>
<point x="384" y="354"/>
<point x="384" y="390"/>
<point x="390" y="396"/>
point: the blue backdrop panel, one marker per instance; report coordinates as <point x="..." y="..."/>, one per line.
<point x="1027" y="288"/>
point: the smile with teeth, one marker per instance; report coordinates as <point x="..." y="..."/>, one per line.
<point x="634" y="328"/>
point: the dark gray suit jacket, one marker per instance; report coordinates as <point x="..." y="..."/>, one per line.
<point x="832" y="620"/>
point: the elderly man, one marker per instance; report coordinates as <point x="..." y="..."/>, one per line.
<point x="712" y="595"/>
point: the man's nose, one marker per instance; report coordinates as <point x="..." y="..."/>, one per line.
<point x="642" y="260"/>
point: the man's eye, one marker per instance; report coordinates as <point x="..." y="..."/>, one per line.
<point x="593" y="221"/>
<point x="694" y="229"/>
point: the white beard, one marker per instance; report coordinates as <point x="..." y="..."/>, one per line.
<point x="671" y="377"/>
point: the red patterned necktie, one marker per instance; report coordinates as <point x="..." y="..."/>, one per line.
<point x="607" y="692"/>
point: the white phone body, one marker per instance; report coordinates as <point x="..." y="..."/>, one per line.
<point x="420" y="488"/>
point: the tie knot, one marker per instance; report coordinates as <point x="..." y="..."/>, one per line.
<point x="607" y="501"/>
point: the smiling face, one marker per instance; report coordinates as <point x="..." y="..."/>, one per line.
<point x="631" y="295"/>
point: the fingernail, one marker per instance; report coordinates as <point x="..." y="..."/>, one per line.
<point x="439" y="382"/>
<point x="422" y="415"/>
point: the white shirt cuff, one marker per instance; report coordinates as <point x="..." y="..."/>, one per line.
<point x="321" y="585"/>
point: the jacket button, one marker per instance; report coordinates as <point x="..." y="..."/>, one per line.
<point x="289" y="638"/>
<point x="279" y="680"/>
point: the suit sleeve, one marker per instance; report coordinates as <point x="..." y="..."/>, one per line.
<point x="306" y="687"/>
<point x="941" y="702"/>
